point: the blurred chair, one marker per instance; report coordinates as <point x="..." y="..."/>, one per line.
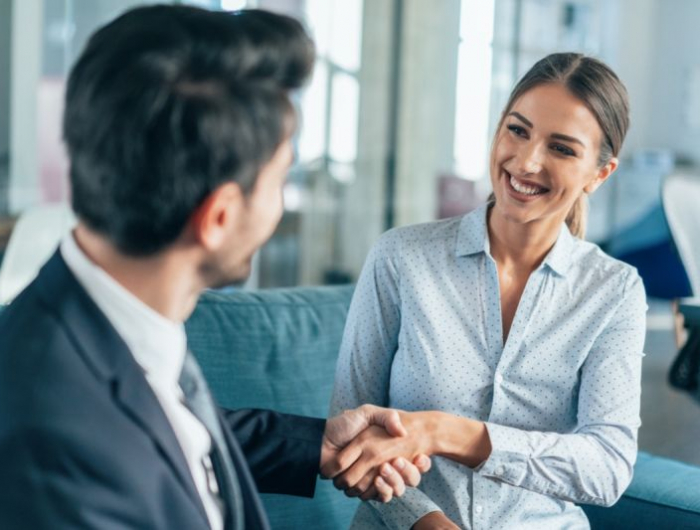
<point x="457" y="196"/>
<point x="34" y="238"/>
<point x="681" y="201"/>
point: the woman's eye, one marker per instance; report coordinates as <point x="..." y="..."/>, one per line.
<point x="516" y="129"/>
<point x="564" y="150"/>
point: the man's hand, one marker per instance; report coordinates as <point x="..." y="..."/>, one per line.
<point x="434" y="521"/>
<point x="392" y="479"/>
<point x="384" y="481"/>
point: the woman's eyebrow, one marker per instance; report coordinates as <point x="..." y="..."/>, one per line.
<point x="521" y="118"/>
<point x="557" y="136"/>
<point x="566" y="138"/>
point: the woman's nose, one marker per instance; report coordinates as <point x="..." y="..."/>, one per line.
<point x="529" y="159"/>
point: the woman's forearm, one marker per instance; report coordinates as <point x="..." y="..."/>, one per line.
<point x="460" y="439"/>
<point x="592" y="465"/>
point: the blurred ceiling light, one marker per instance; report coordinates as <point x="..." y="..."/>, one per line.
<point x="293" y="197"/>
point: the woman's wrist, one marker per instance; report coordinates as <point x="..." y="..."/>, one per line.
<point x="424" y="427"/>
<point x="454" y="437"/>
<point x="479" y="443"/>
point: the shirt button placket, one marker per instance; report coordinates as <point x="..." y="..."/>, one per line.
<point x="478" y="516"/>
<point x="477" y="505"/>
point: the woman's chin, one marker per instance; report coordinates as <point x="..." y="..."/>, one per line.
<point x="514" y="212"/>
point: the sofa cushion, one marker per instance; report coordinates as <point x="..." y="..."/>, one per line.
<point x="277" y="349"/>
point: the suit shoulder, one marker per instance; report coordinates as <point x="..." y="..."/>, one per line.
<point x="41" y="374"/>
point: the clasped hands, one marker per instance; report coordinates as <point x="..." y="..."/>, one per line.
<point x="370" y="454"/>
<point x="374" y="452"/>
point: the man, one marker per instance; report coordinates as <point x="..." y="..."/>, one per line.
<point x="177" y="125"/>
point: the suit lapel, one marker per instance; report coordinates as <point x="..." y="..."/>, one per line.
<point x="136" y="398"/>
<point x="109" y="358"/>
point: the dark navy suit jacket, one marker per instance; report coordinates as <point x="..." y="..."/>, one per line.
<point x="84" y="442"/>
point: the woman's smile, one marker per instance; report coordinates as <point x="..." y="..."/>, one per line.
<point x="524" y="190"/>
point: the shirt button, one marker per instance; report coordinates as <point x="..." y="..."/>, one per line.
<point x="478" y="508"/>
<point x="500" y="470"/>
<point x="499" y="378"/>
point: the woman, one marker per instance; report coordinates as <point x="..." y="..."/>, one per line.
<point x="523" y="341"/>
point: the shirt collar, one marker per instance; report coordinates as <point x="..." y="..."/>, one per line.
<point x="472" y="238"/>
<point x="560" y="257"/>
<point x="157" y="343"/>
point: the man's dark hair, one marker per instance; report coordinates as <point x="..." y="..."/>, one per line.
<point x="165" y="104"/>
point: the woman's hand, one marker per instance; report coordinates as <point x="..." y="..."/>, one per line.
<point x="435" y="521"/>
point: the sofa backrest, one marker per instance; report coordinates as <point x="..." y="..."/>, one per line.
<point x="277" y="349"/>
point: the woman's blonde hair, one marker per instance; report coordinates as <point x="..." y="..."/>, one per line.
<point x="599" y="88"/>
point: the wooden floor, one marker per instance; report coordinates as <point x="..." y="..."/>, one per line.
<point x="670" y="419"/>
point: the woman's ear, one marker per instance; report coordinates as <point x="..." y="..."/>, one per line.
<point x="603" y="174"/>
<point x="214" y="219"/>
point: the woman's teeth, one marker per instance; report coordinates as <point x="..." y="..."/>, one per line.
<point x="525" y="189"/>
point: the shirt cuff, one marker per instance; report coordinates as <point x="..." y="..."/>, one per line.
<point x="403" y="512"/>
<point x="510" y="453"/>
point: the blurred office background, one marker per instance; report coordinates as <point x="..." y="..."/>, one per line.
<point x="396" y="129"/>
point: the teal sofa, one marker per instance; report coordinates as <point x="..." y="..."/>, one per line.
<point x="277" y="349"/>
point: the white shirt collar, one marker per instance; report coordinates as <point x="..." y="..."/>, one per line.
<point x="157" y="343"/>
<point x="473" y="238"/>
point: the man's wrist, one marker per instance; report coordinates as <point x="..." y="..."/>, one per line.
<point x="325" y="453"/>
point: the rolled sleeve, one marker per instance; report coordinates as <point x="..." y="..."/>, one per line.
<point x="510" y="453"/>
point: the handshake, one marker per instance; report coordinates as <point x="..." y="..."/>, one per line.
<point x="369" y="453"/>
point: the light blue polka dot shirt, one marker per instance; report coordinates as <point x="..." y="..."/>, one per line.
<point x="560" y="398"/>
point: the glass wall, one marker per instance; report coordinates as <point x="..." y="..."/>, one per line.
<point x="397" y="121"/>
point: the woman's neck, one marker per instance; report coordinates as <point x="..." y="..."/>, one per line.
<point x="522" y="246"/>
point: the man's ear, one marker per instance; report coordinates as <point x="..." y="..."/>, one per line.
<point x="213" y="220"/>
<point x="603" y="175"/>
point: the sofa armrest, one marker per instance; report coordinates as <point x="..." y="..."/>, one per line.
<point x="663" y="494"/>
